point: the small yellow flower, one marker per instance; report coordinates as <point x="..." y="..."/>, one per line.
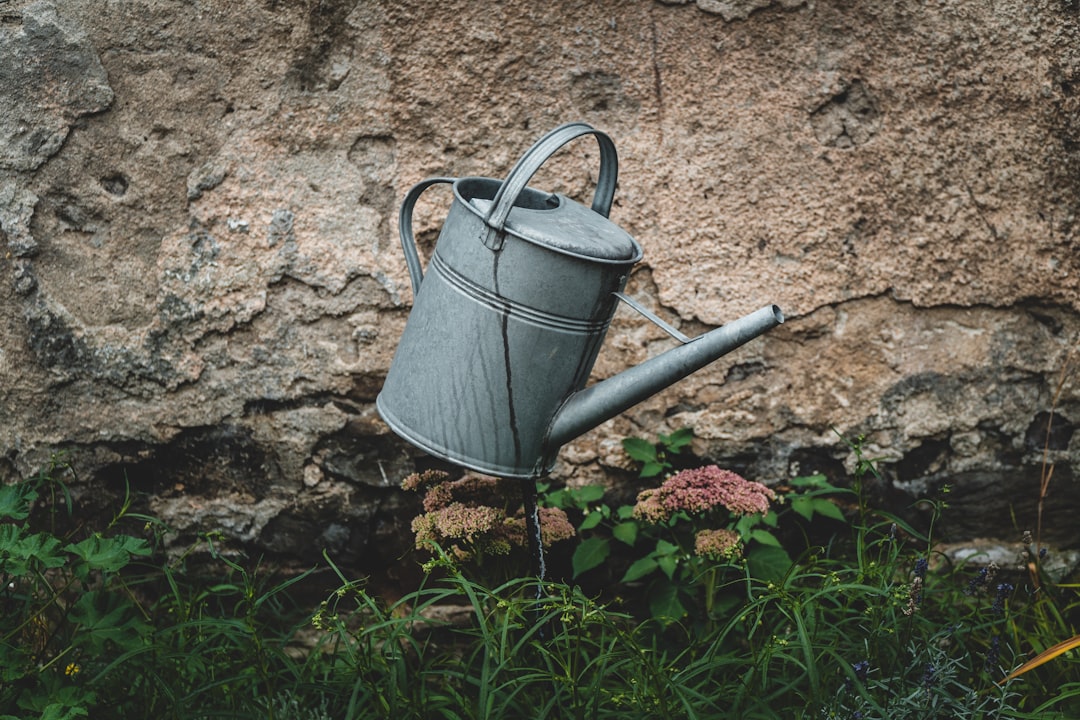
<point x="72" y="669"/>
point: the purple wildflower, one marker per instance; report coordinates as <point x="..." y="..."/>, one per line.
<point x="861" y="670"/>
<point x="1003" y="590"/>
<point x="920" y="568"/>
<point x="929" y="676"/>
<point x="982" y="580"/>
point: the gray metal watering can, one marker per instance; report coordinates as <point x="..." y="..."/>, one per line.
<point x="490" y="372"/>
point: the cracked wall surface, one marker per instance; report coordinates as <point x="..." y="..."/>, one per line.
<point x="203" y="289"/>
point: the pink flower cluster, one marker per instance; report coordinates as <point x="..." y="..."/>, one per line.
<point x="419" y="480"/>
<point x="477" y="514"/>
<point x="722" y="544"/>
<point x="700" y="490"/>
<point x="470" y="489"/>
<point x="456" y="521"/>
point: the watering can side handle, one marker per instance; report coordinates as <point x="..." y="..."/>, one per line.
<point x="408" y="241"/>
<point x="536" y="156"/>
<point x="654" y="318"/>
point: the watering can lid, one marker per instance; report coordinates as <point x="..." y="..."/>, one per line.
<point x="569" y="227"/>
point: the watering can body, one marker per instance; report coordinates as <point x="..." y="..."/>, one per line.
<point x="509" y="318"/>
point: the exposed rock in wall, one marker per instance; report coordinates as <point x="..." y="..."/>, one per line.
<point x="202" y="288"/>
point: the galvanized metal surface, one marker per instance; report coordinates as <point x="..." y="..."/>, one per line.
<point x="508" y="322"/>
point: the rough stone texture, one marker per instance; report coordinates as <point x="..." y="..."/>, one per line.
<point x="202" y="287"/>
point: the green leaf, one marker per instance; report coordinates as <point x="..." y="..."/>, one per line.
<point x="812" y="481"/>
<point x="765" y="537"/>
<point x="15" y="501"/>
<point x="663" y="547"/>
<point x="677" y="440"/>
<point x="828" y="509"/>
<point x="588" y="493"/>
<point x="668" y="565"/>
<point x="652" y="469"/>
<point x="625" y="512"/>
<point x="105" y="618"/>
<point x="107" y="554"/>
<point x="745" y="524"/>
<point x="626" y="532"/>
<point x="664" y="602"/>
<point x="769" y="564"/>
<point x="59" y="711"/>
<point x="803" y="505"/>
<point x="19" y="554"/>
<point x="638" y="449"/>
<point x="559" y="498"/>
<point x="590" y="553"/>
<point x="591" y="520"/>
<point x="639" y="569"/>
<point x="807" y="506"/>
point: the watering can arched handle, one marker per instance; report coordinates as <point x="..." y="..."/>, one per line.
<point x="536" y="156"/>
<point x="408" y="241"/>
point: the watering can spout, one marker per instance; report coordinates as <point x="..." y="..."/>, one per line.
<point x="588" y="408"/>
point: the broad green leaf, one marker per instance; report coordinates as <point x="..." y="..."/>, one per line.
<point x="744" y="525"/>
<point x="19" y="553"/>
<point x="663" y="547"/>
<point x="67" y="702"/>
<point x="625" y="512"/>
<point x="107" y="554"/>
<point x="814" y="481"/>
<point x="10" y="535"/>
<point x="769" y="564"/>
<point x="664" y="602"/>
<point x="679" y="439"/>
<point x="765" y="538"/>
<point x="15" y="501"/>
<point x="626" y="532"/>
<point x="807" y="506"/>
<point x="638" y="449"/>
<point x="651" y="469"/>
<point x="590" y="553"/>
<point x="639" y="569"/>
<point x="559" y="498"/>
<point x="803" y="505"/>
<point x="668" y="565"/>
<point x="107" y="618"/>
<point x="828" y="509"/>
<point x="588" y="493"/>
<point x="591" y="520"/>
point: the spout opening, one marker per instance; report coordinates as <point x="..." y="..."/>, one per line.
<point x="778" y="314"/>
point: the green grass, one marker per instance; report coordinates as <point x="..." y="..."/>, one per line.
<point x="870" y="623"/>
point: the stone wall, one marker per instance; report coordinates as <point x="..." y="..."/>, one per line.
<point x="202" y="286"/>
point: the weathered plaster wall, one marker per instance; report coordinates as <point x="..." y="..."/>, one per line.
<point x="202" y="287"/>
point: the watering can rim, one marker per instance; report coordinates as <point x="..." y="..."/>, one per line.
<point x="635" y="247"/>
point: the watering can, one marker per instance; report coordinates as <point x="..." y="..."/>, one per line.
<point x="491" y="369"/>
